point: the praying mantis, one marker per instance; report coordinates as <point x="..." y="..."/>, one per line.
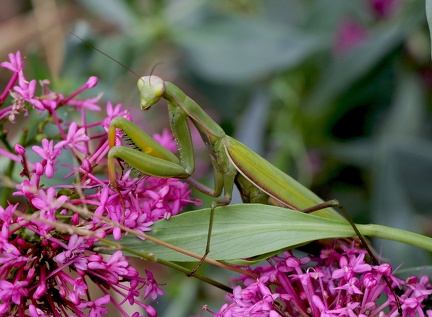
<point x="257" y="179"/>
<point x="233" y="163"/>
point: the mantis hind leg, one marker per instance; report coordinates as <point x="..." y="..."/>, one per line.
<point x="337" y="204"/>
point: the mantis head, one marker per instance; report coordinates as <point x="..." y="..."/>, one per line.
<point x="151" y="90"/>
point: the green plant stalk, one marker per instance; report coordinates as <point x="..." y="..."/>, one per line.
<point x="394" y="234"/>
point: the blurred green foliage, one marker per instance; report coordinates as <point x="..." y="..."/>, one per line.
<point x="334" y="92"/>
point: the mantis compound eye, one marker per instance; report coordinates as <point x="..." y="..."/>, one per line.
<point x="151" y="90"/>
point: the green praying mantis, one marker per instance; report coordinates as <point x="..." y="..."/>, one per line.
<point x="233" y="163"/>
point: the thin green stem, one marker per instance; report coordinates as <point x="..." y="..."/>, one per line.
<point x="399" y="235"/>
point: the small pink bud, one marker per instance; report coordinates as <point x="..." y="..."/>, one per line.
<point x="369" y="280"/>
<point x="19" y="149"/>
<point x="150" y="311"/>
<point x="34" y="311"/>
<point x="134" y="283"/>
<point x="384" y="269"/>
<point x="31" y="273"/>
<point x="62" y="292"/>
<point x="40" y="290"/>
<point x="92" y="81"/>
<point x="292" y="262"/>
<point x="117" y="234"/>
<point x="75" y="219"/>
<point x="369" y="306"/>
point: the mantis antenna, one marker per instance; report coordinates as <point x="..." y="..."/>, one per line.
<point x="152" y="70"/>
<point x="106" y="55"/>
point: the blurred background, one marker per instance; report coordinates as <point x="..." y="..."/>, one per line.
<point x="333" y="92"/>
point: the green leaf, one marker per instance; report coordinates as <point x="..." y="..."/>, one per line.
<point x="249" y="230"/>
<point x="239" y="231"/>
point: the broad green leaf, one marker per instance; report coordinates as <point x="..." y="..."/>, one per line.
<point x="248" y="230"/>
<point x="239" y="231"/>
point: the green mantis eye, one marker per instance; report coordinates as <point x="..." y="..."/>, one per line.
<point x="151" y="90"/>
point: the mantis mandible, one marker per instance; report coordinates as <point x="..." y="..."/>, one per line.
<point x="233" y="163"/>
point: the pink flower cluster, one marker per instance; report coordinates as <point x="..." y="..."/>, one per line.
<point x="47" y="255"/>
<point x="336" y="283"/>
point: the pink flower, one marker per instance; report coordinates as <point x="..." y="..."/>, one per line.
<point x="74" y="138"/>
<point x="49" y="154"/>
<point x="27" y="92"/>
<point x="152" y="287"/>
<point x="76" y="247"/>
<point x="113" y="112"/>
<point x="14" y="292"/>
<point x="48" y="203"/>
<point x="43" y="238"/>
<point x="16" y="64"/>
<point x="313" y="288"/>
<point x="98" y="307"/>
